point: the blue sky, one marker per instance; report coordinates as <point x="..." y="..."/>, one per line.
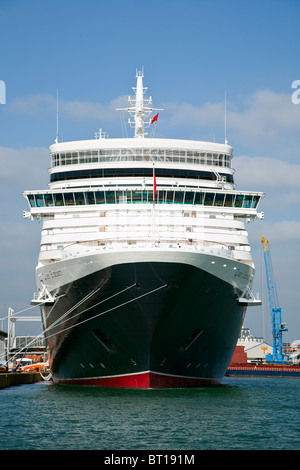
<point x="193" y="52"/>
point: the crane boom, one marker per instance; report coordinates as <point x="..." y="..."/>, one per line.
<point x="277" y="326"/>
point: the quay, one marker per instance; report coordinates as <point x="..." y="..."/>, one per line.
<point x="18" y="378"/>
<point x="263" y="370"/>
<point x="240" y="367"/>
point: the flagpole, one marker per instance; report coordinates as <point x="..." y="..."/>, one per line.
<point x="154" y="184"/>
<point x="153" y="205"/>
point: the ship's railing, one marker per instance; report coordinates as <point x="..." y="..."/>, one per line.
<point x="22" y="342"/>
<point x="214" y="248"/>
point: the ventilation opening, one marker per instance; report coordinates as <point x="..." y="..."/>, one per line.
<point x="102" y="338"/>
<point x="192" y="338"/>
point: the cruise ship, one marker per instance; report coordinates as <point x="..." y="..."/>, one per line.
<point x="145" y="270"/>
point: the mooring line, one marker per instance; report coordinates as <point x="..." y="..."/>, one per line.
<point x="58" y="322"/>
<point x="91" y="318"/>
<point x="106" y="311"/>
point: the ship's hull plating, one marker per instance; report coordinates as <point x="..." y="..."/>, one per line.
<point x="144" y="324"/>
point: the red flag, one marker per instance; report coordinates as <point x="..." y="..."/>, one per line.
<point x="154" y="184"/>
<point x="155" y="118"/>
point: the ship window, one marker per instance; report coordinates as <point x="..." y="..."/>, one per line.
<point x="255" y="201"/>
<point x="209" y="199"/>
<point x="90" y="197"/>
<point x="68" y="158"/>
<point x="238" y="200"/>
<point x="74" y="158"/>
<point x="31" y="200"/>
<point x="58" y="199"/>
<point x="99" y="195"/>
<point x="145" y="197"/>
<point x="69" y="199"/>
<point x="161" y="197"/>
<point x="169" y="197"/>
<point x="55" y="159"/>
<point x="137" y="196"/>
<point x="94" y="156"/>
<point x="39" y="200"/>
<point x="79" y="199"/>
<point x="143" y="172"/>
<point x="120" y="198"/>
<point x="215" y="159"/>
<point x="189" y="198"/>
<point x="247" y="201"/>
<point x="110" y="197"/>
<point x="229" y="200"/>
<point x="48" y="200"/>
<point x="219" y="199"/>
<point x="127" y="197"/>
<point x="198" y="198"/>
<point x="87" y="156"/>
<point x="178" y="198"/>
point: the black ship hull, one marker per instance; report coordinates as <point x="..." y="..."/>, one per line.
<point x="143" y="324"/>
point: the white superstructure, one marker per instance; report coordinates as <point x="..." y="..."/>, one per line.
<point x="101" y="198"/>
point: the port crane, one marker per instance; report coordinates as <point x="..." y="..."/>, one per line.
<point x="277" y="326"/>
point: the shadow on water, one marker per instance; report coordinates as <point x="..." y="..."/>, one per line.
<point x="94" y="391"/>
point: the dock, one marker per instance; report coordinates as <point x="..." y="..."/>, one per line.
<point x="263" y="370"/>
<point x="18" y="378"/>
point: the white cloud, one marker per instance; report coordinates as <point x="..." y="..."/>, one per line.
<point x="281" y="232"/>
<point x="265" y="122"/>
<point x="33" y="105"/>
<point x="38" y="105"/>
<point x="265" y="112"/>
<point x="278" y="179"/>
<point x="268" y="123"/>
<point x="23" y="168"/>
<point x="266" y="172"/>
<point x="286" y="231"/>
<point x="185" y="113"/>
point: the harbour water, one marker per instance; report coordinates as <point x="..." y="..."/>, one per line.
<point x="241" y="414"/>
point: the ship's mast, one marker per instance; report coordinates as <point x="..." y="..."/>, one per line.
<point x="139" y="116"/>
<point x="139" y="108"/>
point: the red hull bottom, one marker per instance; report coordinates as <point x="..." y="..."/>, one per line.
<point x="143" y="380"/>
